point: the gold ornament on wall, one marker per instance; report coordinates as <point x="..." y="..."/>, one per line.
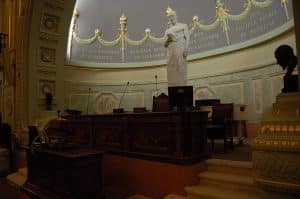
<point x="50" y="23"/>
<point x="47" y="56"/>
<point x="106" y="102"/>
<point x="47" y="86"/>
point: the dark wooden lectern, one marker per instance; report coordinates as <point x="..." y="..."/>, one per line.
<point x="64" y="174"/>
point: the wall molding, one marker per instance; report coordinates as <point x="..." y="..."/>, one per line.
<point x="253" y="67"/>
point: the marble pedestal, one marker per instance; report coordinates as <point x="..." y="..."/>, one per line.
<point x="276" y="153"/>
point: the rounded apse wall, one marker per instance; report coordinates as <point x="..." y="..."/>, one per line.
<point x="130" y="33"/>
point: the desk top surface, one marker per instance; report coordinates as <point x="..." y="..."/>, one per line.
<point x="71" y="153"/>
<point x="129" y="113"/>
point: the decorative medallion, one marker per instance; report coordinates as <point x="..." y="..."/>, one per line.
<point x="46" y="86"/>
<point x="47" y="56"/>
<point x="106" y="102"/>
<point x="203" y="93"/>
<point x="50" y="23"/>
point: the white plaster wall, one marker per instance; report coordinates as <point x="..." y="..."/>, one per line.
<point x="256" y="56"/>
<point x="233" y="75"/>
<point x="248" y="76"/>
<point x="244" y="59"/>
<point x="51" y="72"/>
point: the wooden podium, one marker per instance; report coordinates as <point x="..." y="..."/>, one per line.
<point x="164" y="143"/>
<point x="64" y="174"/>
<point x="178" y="137"/>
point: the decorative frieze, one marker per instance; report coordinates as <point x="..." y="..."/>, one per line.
<point x="277" y="144"/>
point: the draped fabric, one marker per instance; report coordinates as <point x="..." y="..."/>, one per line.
<point x="176" y="62"/>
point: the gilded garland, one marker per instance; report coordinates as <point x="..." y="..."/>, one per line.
<point x="222" y="19"/>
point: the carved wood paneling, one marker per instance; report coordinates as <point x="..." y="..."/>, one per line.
<point x="168" y="136"/>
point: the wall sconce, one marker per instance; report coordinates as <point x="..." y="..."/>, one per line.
<point x="3" y="38"/>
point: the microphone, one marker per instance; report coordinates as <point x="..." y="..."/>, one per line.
<point x="156" y="82"/>
<point x="123" y="94"/>
<point x="121" y="110"/>
<point x="156" y="85"/>
<point x="88" y="102"/>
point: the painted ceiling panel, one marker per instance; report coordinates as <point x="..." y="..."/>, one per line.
<point x="98" y="37"/>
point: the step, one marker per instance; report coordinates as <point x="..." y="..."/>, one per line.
<point x="174" y="196"/>
<point x="226" y="178"/>
<point x="227" y="181"/>
<point x="230" y="163"/>
<point x="229" y="166"/>
<point x="138" y="196"/>
<point x="210" y="192"/>
<point x="16" y="179"/>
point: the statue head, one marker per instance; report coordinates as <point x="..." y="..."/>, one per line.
<point x="285" y="57"/>
<point x="172" y="17"/>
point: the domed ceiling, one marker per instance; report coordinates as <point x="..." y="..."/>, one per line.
<point x="130" y="33"/>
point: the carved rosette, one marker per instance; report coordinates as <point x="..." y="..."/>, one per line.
<point x="47" y="56"/>
<point x="106" y="102"/>
<point x="203" y="93"/>
<point x="50" y="23"/>
<point x="277" y="146"/>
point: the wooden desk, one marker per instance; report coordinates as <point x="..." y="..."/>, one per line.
<point x="64" y="174"/>
<point x="178" y="137"/>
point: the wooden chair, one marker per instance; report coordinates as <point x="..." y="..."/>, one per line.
<point x="221" y="125"/>
<point x="160" y="103"/>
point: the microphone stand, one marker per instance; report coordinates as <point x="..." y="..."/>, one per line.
<point x="156" y="85"/>
<point x="121" y="110"/>
<point x="88" y="102"/>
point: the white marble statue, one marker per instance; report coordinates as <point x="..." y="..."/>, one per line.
<point x="177" y="47"/>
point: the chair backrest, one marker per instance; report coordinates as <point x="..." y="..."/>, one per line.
<point x="222" y="113"/>
<point x="160" y="103"/>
